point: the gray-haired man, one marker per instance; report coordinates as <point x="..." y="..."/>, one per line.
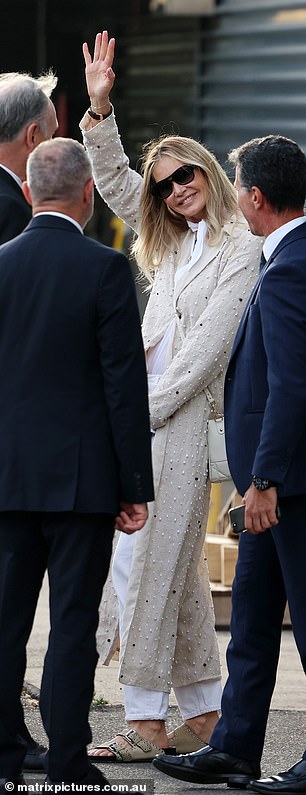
<point x="27" y="117"/>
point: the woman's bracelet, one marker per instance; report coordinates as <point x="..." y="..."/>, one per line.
<point x="98" y="116"/>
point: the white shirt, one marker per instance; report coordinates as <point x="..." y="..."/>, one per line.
<point x="200" y="231"/>
<point x="275" y="237"/>
<point x="156" y="357"/>
<point x="61" y="215"/>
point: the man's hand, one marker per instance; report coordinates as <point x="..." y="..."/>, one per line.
<point x="260" y="509"/>
<point x="132" y="517"/>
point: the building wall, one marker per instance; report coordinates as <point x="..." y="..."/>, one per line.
<point x="222" y="78"/>
<point x="252" y="73"/>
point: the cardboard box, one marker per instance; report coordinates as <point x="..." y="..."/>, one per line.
<point x="229" y="554"/>
<point x="212" y="549"/>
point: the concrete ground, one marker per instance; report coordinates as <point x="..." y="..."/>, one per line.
<point x="286" y="732"/>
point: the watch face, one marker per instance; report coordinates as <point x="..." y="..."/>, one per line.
<point x="261" y="484"/>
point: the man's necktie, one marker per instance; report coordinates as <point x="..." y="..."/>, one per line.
<point x="262" y="262"/>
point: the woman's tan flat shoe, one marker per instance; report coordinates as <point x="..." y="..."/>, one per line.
<point x="138" y="750"/>
<point x="185" y="740"/>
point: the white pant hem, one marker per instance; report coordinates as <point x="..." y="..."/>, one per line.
<point x="189" y="715"/>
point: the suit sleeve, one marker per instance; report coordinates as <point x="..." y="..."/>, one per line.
<point x="125" y="380"/>
<point x="283" y="316"/>
<point x="13" y="218"/>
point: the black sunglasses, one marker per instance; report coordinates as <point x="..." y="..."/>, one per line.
<point x="164" y="188"/>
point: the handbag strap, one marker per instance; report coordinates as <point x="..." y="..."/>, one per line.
<point x="211" y="402"/>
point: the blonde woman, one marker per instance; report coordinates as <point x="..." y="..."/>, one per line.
<point x="197" y="250"/>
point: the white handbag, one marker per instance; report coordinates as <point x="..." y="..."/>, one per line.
<point x="218" y="469"/>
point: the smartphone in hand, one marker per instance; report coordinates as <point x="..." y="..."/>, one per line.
<point x="236" y="516"/>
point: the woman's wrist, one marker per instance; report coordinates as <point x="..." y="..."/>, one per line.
<point x="101" y="106"/>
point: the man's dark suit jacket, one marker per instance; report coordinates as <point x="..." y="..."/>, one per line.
<point x="15" y="212"/>
<point x="74" y="423"/>
<point x="265" y="387"/>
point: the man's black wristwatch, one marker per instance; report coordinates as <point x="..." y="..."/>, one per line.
<point x="261" y="483"/>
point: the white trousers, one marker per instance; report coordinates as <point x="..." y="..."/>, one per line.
<point x="141" y="704"/>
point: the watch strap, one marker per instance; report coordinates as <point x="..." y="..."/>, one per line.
<point x="98" y="116"/>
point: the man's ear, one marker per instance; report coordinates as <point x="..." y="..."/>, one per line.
<point x="32" y="135"/>
<point x="26" y="192"/>
<point x="257" y="197"/>
<point x="88" y="190"/>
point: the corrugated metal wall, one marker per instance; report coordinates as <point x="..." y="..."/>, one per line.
<point x="160" y="80"/>
<point x="223" y="79"/>
<point x="252" y="75"/>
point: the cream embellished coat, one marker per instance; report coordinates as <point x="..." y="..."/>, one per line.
<point x="168" y="636"/>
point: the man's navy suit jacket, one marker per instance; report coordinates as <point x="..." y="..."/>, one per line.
<point x="74" y="422"/>
<point x="15" y="212"/>
<point x="265" y="386"/>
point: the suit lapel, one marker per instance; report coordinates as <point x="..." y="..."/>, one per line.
<point x="208" y="254"/>
<point x="243" y="321"/>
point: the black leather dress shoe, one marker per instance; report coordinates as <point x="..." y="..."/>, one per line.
<point x="208" y="766"/>
<point x="35" y="757"/>
<point x="93" y="777"/>
<point x="293" y="780"/>
<point x="8" y="785"/>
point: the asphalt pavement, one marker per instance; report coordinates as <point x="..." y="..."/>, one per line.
<point x="286" y="732"/>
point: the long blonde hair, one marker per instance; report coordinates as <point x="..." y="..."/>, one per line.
<point x="161" y="228"/>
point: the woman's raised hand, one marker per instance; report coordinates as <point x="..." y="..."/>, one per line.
<point x="98" y="70"/>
